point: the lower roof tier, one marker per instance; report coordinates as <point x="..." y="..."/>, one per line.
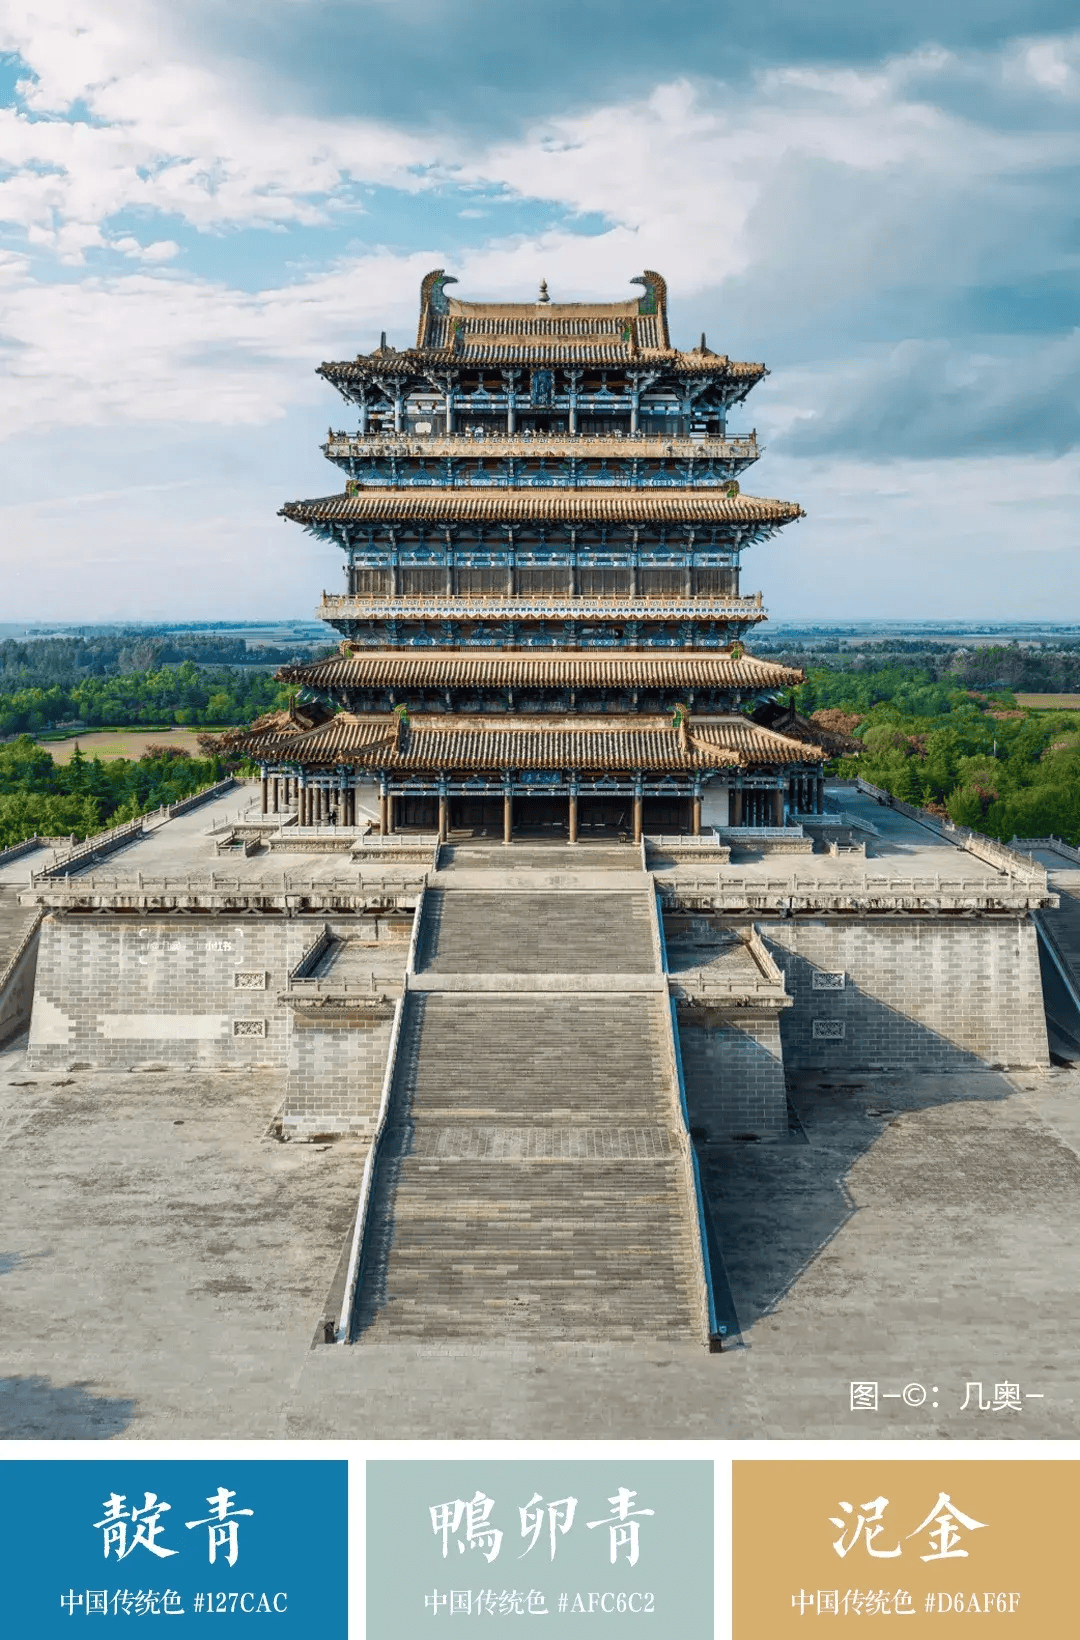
<point x="507" y="742"/>
<point x="538" y="669"/>
<point x="570" y="507"/>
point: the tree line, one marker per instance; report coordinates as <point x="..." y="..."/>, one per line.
<point x="41" y="798"/>
<point x="186" y="694"/>
<point x="971" y="755"/>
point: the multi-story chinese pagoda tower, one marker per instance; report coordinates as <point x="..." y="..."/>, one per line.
<point x="543" y="627"/>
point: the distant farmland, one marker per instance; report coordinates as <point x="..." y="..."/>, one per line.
<point x="1050" y="703"/>
<point x="110" y="743"/>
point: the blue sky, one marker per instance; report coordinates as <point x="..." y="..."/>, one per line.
<point x="200" y="202"/>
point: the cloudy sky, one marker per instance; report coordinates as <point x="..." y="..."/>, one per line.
<point x="201" y="200"/>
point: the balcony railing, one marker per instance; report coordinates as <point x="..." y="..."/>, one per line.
<point x="586" y="446"/>
<point x="464" y="606"/>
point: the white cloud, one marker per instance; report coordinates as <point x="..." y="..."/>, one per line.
<point x="923" y="540"/>
<point x="1051" y="65"/>
<point x="819" y="185"/>
<point x="148" y="129"/>
<point x="802" y="196"/>
<point x="160" y="250"/>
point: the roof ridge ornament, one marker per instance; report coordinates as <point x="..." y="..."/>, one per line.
<point x="543" y="296"/>
<point x="433" y="302"/>
<point x="654" y="301"/>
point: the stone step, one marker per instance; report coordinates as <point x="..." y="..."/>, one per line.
<point x="463" y="1140"/>
<point x="464" y="1251"/>
<point x="536" y="933"/>
<point x="15" y="919"/>
<point x="532" y="1181"/>
<point x="532" y="855"/>
<point x="554" y="1058"/>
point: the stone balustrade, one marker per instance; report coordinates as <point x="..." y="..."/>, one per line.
<point x="863" y="892"/>
<point x="218" y="892"/>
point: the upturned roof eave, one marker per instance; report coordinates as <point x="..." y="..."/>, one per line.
<point x="540" y="501"/>
<point x="437" y="744"/>
<point x="456" y="668"/>
<point x="440" y="358"/>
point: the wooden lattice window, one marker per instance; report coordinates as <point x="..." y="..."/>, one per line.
<point x="419" y="583"/>
<point x="604" y="582"/>
<point x="661" y="583"/>
<point x="484" y="580"/>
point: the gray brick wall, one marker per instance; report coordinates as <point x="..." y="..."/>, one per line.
<point x="125" y="990"/>
<point x="910" y="992"/>
<point x="335" y="1078"/>
<point x="734" y="1075"/>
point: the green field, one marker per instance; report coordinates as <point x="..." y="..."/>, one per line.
<point x="1050" y="703"/>
<point x="111" y="743"/>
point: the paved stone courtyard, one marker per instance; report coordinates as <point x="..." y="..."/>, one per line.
<point x="165" y="1264"/>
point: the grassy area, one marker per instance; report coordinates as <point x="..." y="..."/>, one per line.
<point x="1050" y="703"/>
<point x="132" y="743"/>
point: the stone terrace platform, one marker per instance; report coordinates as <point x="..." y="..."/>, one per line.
<point x="901" y="1212"/>
<point x="921" y="1229"/>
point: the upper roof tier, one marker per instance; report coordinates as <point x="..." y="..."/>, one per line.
<point x="599" y="334"/>
<point x="354" y="668"/>
<point x="522" y="506"/>
<point x="638" y="321"/>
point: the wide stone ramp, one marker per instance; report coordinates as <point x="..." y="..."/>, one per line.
<point x="518" y="932"/>
<point x="532" y="1182"/>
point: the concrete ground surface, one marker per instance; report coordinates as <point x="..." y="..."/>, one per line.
<point x="165" y="1263"/>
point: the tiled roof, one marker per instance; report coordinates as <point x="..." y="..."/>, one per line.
<point x="534" y="669"/>
<point x="524" y="349"/>
<point x="436" y="742"/>
<point x="507" y="506"/>
<point x="785" y="720"/>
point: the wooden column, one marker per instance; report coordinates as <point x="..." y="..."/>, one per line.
<point x="695" y="824"/>
<point x="639" y="813"/>
<point x="778" y="807"/>
<point x="508" y="817"/>
<point x="735" y="806"/>
<point x="819" y="796"/>
<point x="382" y="814"/>
<point x="444" y="817"/>
<point x="391" y="812"/>
<point x="573" y="817"/>
<point x="264" y="788"/>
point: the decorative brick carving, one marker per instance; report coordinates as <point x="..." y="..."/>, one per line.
<point x="248" y="979"/>
<point x="828" y="1030"/>
<point x="249" y="1027"/>
<point x="827" y="982"/>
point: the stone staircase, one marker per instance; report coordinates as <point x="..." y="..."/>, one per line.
<point x="16" y="994"/>
<point x="15" y="919"/>
<point x="518" y="932"/>
<point x="533" y="1181"/>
